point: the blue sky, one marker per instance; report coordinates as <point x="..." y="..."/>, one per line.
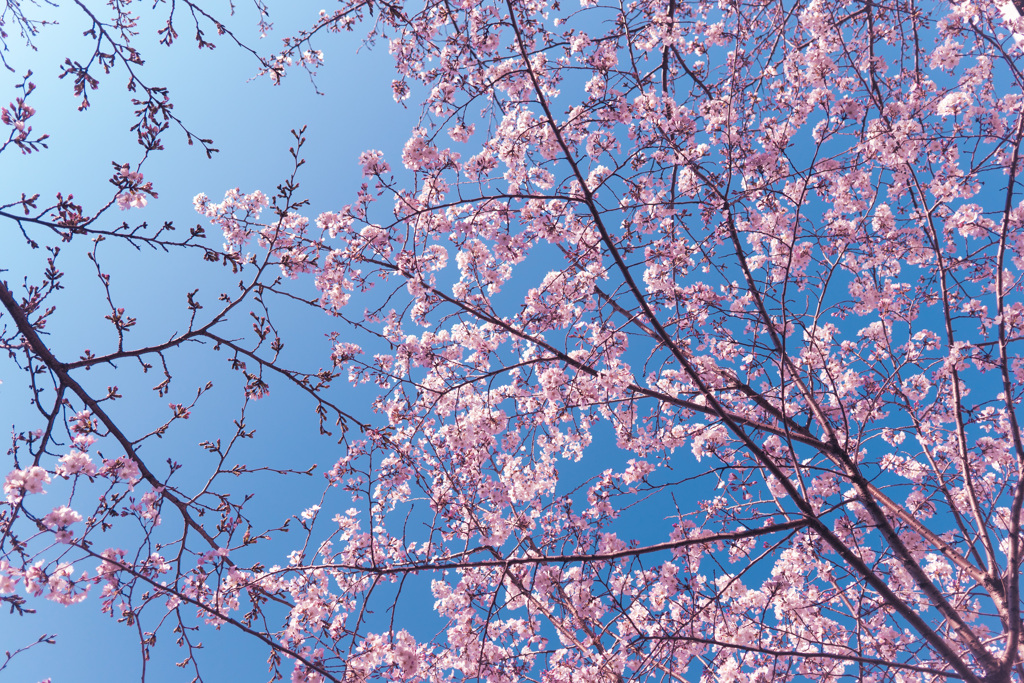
<point x="249" y="121"/>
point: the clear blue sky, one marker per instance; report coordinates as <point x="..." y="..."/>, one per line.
<point x="249" y="121"/>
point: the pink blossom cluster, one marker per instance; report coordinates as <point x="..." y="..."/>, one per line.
<point x="690" y="342"/>
<point x="18" y="483"/>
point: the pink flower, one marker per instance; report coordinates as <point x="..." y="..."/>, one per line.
<point x="419" y="153"/>
<point x="61" y="517"/>
<point x="20" y="482"/>
<point x="75" y="462"/>
<point x="373" y="163"/>
<point x="121" y="468"/>
<point x="8" y="577"/>
<point x="953" y="103"/>
<point x="131" y="200"/>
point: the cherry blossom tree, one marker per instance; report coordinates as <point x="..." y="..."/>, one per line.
<point x="692" y="333"/>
